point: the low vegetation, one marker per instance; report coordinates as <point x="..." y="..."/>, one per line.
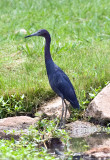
<point x="33" y="145"/>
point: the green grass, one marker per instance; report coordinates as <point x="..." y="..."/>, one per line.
<point x="80" y="32"/>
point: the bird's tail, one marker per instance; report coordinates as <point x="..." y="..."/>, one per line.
<point x="75" y="104"/>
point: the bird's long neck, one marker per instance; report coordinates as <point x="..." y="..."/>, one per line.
<point x="47" y="48"/>
<point x="48" y="60"/>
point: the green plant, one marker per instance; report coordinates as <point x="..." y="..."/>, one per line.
<point x="49" y="129"/>
<point x="108" y="128"/>
<point x="19" y="151"/>
<point x="94" y="92"/>
<point x="11" y="105"/>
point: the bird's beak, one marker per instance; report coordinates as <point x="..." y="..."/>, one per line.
<point x="34" y="34"/>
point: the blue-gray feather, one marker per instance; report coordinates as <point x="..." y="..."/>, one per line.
<point x="61" y="84"/>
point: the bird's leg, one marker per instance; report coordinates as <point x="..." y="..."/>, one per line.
<point x="61" y="121"/>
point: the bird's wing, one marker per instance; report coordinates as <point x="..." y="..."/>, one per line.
<point x="64" y="88"/>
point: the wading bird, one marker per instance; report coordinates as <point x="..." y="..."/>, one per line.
<point x="58" y="80"/>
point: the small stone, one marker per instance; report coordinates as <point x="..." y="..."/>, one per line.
<point x="21" y="31"/>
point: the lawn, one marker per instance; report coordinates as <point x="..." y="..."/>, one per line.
<point x="80" y="32"/>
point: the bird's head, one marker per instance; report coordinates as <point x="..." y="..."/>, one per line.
<point x="42" y="32"/>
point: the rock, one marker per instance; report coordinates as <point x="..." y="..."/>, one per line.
<point x="99" y="108"/>
<point x="101" y="152"/>
<point x="96" y="140"/>
<point x="53" y="108"/>
<point x="81" y="129"/>
<point x="12" y="126"/>
<point x="19" y="122"/>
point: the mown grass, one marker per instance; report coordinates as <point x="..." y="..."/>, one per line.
<point x="80" y="45"/>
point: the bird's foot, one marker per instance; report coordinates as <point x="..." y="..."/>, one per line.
<point x="62" y="125"/>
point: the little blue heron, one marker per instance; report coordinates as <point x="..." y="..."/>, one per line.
<point x="58" y="80"/>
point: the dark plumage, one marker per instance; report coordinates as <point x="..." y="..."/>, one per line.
<point x="58" y="80"/>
